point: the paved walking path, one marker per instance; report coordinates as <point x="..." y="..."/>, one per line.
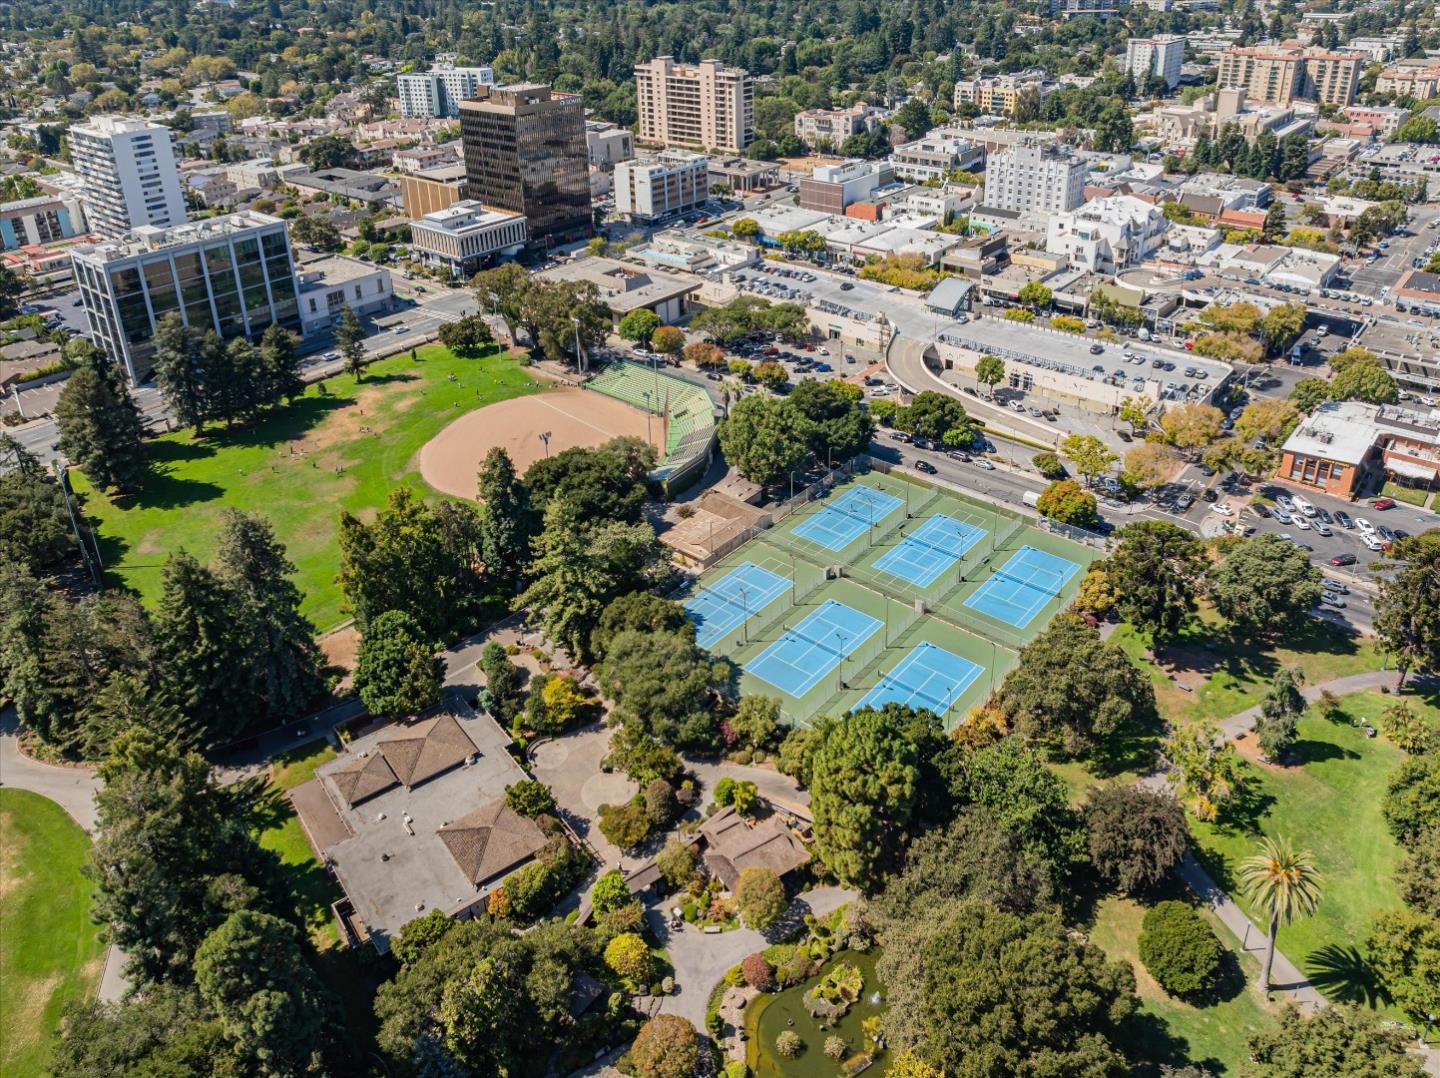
<point x="1341" y="686"/>
<point x="701" y="961"/>
<point x="73" y="789"/>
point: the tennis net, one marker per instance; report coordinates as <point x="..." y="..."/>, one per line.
<point x="793" y="631"/>
<point x="1031" y="584"/>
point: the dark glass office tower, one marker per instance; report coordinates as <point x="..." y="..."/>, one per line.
<point x="525" y="152"/>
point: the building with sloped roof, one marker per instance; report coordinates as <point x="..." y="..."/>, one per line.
<point x="491" y="841"/>
<point x="734" y="843"/>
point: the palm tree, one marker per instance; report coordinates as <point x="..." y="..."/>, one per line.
<point x="729" y="391"/>
<point x="1283" y="883"/>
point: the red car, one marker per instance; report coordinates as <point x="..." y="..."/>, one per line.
<point x="1382" y="503"/>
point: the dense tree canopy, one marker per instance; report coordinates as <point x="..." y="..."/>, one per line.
<point x="1265" y="585"/>
<point x="1156" y="572"/>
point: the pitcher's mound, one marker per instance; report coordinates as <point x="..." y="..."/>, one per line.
<point x="450" y="461"/>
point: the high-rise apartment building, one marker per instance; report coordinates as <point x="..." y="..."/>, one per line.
<point x="1092" y="9"/>
<point x="672" y="182"/>
<point x="128" y="168"/>
<point x="525" y="152"/>
<point x="707" y="104"/>
<point x="1159" y="56"/>
<point x="1278" y="74"/>
<point x="233" y="274"/>
<point x="1034" y="178"/>
<point x="439" y="91"/>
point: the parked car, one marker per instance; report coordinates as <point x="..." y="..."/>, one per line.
<point x="1259" y="510"/>
<point x="1343" y="559"/>
<point x="1339" y="587"/>
<point x="1329" y="598"/>
<point x="1222" y="508"/>
<point x="926" y="467"/>
<point x="1282" y="516"/>
<point x="1344" y="519"/>
<point x="1382" y="503"/>
<point x="1365" y="527"/>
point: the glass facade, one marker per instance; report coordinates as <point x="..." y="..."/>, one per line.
<point x="236" y="284"/>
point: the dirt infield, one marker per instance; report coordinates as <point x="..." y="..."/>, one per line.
<point x="450" y="460"/>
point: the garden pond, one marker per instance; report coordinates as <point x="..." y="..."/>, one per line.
<point x="768" y="1016"/>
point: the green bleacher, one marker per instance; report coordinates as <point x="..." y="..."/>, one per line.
<point x="690" y="416"/>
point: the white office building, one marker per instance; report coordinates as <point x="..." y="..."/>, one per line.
<point x="1034" y="178"/>
<point x="129" y="173"/>
<point x="673" y="182"/>
<point x="462" y="236"/>
<point x="1109" y="234"/>
<point x="439" y="91"/>
<point x="233" y="274"/>
<point x="1160" y="56"/>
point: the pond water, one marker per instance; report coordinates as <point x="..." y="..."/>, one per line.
<point x="769" y="1016"/>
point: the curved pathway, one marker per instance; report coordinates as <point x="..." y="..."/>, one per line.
<point x="73" y="789"/>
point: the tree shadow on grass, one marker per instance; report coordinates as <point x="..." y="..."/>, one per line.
<point x="282" y="425"/>
<point x="1244" y="811"/>
<point x="1152" y="1047"/>
<point x="164" y="490"/>
<point x="1312" y="752"/>
<point x="1345" y="976"/>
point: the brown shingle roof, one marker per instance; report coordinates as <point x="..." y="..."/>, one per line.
<point x="735" y="846"/>
<point x="427" y="749"/>
<point x="362" y="777"/>
<point x="491" y="841"/>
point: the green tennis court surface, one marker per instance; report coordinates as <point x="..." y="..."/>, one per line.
<point x="906" y="575"/>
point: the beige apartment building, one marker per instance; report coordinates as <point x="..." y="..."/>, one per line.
<point x="1418" y="78"/>
<point x="707" y="104"/>
<point x="1279" y="74"/>
<point x="998" y="94"/>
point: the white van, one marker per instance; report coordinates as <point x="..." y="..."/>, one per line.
<point x="1304" y="506"/>
<point x="1031" y="499"/>
<point x="1143" y="334"/>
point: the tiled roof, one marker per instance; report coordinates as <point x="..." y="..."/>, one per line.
<point x="362" y="777"/>
<point x="426" y="749"/>
<point x="735" y="845"/>
<point x="491" y="841"/>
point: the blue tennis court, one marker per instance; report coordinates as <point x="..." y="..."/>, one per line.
<point x="930" y="549"/>
<point x="796" y="662"/>
<point x="1020" y="588"/>
<point x="719" y="607"/>
<point x="929" y="677"/>
<point x="845" y="519"/>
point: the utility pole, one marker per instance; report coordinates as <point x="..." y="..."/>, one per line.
<point x="91" y="562"/>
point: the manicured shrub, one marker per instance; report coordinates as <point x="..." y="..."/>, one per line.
<point x="1180" y="950"/>
<point x="789" y="1044"/>
<point x="758" y="973"/>
<point x="835" y="1047"/>
<point x="628" y="956"/>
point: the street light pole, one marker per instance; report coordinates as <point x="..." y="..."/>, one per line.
<point x="545" y="438"/>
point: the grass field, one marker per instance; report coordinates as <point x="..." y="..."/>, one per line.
<point x="342" y="445"/>
<point x="1173" y="1031"/>
<point x="1330" y="805"/>
<point x="50" y="953"/>
<point x="1231" y="676"/>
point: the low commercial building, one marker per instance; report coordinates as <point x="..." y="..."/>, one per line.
<point x="624" y="288"/>
<point x="369" y="188"/>
<point x="935" y="156"/>
<point x="1344" y="447"/>
<point x="1108" y="235"/>
<point x="330" y="283"/>
<point x="465" y="235"/>
<point x="419" y="158"/>
<point x="831" y="188"/>
<point x="1178" y="126"/>
<point x="233" y="274"/>
<point x="671" y="183"/>
<point x="742" y="175"/>
<point x="432" y="190"/>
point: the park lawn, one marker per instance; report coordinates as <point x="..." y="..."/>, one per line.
<point x="1172" y="1031"/>
<point x="341" y="445"/>
<point x="1239" y="675"/>
<point x="1330" y="805"/>
<point x="297" y="767"/>
<point x="50" y="952"/>
<point x="1408" y="495"/>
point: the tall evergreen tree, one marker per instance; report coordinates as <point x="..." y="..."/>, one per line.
<point x="506" y="524"/>
<point x="225" y="388"/>
<point x="350" y="336"/>
<point x="34" y="523"/>
<point x="23" y="618"/>
<point x="279" y="365"/>
<point x="204" y="668"/>
<point x="179" y="370"/>
<point x="100" y="425"/>
<point x="276" y="643"/>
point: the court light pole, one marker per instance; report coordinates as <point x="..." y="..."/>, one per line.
<point x="648" y="436"/>
<point x="744" y="615"/>
<point x="544" y="437"/>
<point x="840" y="669"/>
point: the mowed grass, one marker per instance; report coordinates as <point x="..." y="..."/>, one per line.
<point x="1234" y="675"/>
<point x="1173" y="1031"/>
<point x="342" y="445"/>
<point x="50" y="952"/>
<point x="1330" y="805"/>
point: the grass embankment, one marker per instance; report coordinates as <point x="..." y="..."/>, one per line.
<point x="342" y="445"/>
<point x="50" y="952"/>
<point x="1329" y="803"/>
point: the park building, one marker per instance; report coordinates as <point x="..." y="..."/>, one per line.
<point x="233" y="274"/>
<point x="464" y="236"/>
<point x="673" y="182"/>
<point x="129" y="173"/>
<point x="439" y="91"/>
<point x="707" y="105"/>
